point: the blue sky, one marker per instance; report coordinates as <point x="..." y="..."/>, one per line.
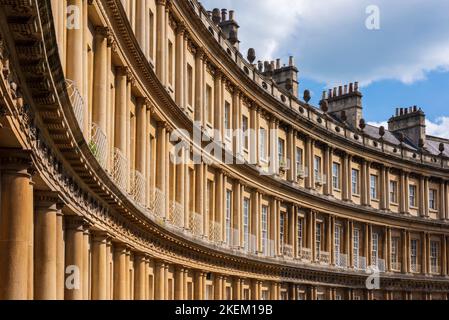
<point x="404" y="63"/>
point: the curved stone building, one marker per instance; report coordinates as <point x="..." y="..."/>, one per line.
<point x="98" y="106"/>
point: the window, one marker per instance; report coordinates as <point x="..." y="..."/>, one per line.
<point x="265" y="295"/>
<point x="394" y="192"/>
<point x="299" y="168"/>
<point x="317" y="167"/>
<point x="375" y="249"/>
<point x="414" y="255"/>
<point x="355" y="182"/>
<point x="336" y="176"/>
<point x="356" y="246"/>
<point x="227" y="120"/>
<point x="412" y="195"/>
<point x="228" y="216"/>
<point x="337" y="241"/>
<point x="189" y="85"/>
<point x="395" y="254"/>
<point x="245" y="132"/>
<point x="151" y="31"/>
<point x="282" y="230"/>
<point x="265" y="230"/>
<point x="208" y="104"/>
<point x="373" y="187"/>
<point x="263" y="144"/>
<point x="170" y="62"/>
<point x="318" y="239"/>
<point x="209" y="292"/>
<point x="434" y="256"/>
<point x="433" y="199"/>
<point x="300" y="233"/>
<point x="281" y="150"/>
<point x="246" y="224"/>
<point x="209" y="196"/>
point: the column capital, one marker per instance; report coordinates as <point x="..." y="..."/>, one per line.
<point x="74" y="223"/>
<point x="181" y="29"/>
<point x="48" y="199"/>
<point x="16" y="160"/>
<point x="101" y="236"/>
<point x="101" y="31"/>
<point x="161" y="2"/>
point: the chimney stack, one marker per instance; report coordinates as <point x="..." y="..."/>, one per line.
<point x="346" y="100"/>
<point x="224" y="15"/>
<point x="230" y="27"/>
<point x="411" y="122"/>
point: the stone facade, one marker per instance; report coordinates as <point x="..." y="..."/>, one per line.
<point x="92" y="207"/>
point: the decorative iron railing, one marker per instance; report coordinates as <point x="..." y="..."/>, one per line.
<point x="138" y="187"/>
<point x="98" y="144"/>
<point x="120" y="169"/>
<point x="77" y="101"/>
<point x="288" y="251"/>
<point x="157" y="204"/>
<point x="415" y="268"/>
<point x="306" y="254"/>
<point x="196" y="224"/>
<point x="176" y="214"/>
<point x="215" y="231"/>
<point x="323" y="257"/>
<point x="341" y="260"/>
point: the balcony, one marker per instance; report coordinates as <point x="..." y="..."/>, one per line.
<point x="120" y="169"/>
<point x="320" y="179"/>
<point x="138" y="187"/>
<point x="77" y="102"/>
<point x="341" y="260"/>
<point x="302" y="172"/>
<point x="270" y="250"/>
<point x="176" y="214"/>
<point x="157" y="205"/>
<point x="98" y="144"/>
<point x="215" y="232"/>
<point x="196" y="224"/>
<point x="381" y="265"/>
<point x="359" y="263"/>
<point x="415" y="268"/>
<point x="323" y="257"/>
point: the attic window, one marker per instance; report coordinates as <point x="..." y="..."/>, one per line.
<point x="264" y="85"/>
<point x="212" y="31"/>
<point x="229" y="51"/>
<point x="246" y="70"/>
<point x="283" y="98"/>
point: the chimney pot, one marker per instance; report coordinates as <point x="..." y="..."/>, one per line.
<point x="291" y="61"/>
<point x="330" y="93"/>
<point x="356" y="87"/>
<point x="351" y="87"/>
<point x="335" y="92"/>
<point x="346" y="89"/>
<point x="224" y="14"/>
<point x="231" y="15"/>
<point x="278" y="63"/>
<point x="340" y="90"/>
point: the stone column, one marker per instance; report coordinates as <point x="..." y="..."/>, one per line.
<point x="45" y="251"/>
<point x="274" y="141"/>
<point x="424" y="253"/>
<point x="351" y="245"/>
<point x="141" y="138"/>
<point x="99" y="266"/>
<point x="100" y="74"/>
<point x="237" y="290"/>
<point x="291" y="144"/>
<point x="442" y="198"/>
<point x="236" y="236"/>
<point x="328" y="163"/>
<point x="199" y="189"/>
<point x="162" y="154"/>
<point x="75" y="45"/>
<point x="218" y="287"/>
<point x="180" y="66"/>
<point x="74" y="258"/>
<point x="199" y="86"/>
<point x="310" y="179"/>
<point x="426" y="197"/>
<point x="219" y="201"/>
<point x="179" y="283"/>
<point x="443" y="256"/>
<point x="141" y="20"/>
<point x="254" y="221"/>
<point x="199" y="285"/>
<point x="365" y="184"/>
<point x="387" y="189"/>
<point x="120" y="272"/>
<point x="159" y="283"/>
<point x="388" y="249"/>
<point x="383" y="188"/>
<point x="161" y="41"/>
<point x="86" y="262"/>
<point x="121" y="115"/>
<point x="140" y="278"/>
<point x="60" y="255"/>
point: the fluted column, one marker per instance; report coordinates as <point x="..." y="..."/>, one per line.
<point x="99" y="266"/>
<point x="100" y="74"/>
<point x="328" y="187"/>
<point x="291" y="144"/>
<point x="162" y="153"/>
<point x="237" y="290"/>
<point x="218" y="287"/>
<point x="45" y="250"/>
<point x="219" y="200"/>
<point x="387" y="189"/>
<point x="444" y="255"/>
<point x="120" y="272"/>
<point x="237" y="241"/>
<point x="161" y="41"/>
<point x="443" y="199"/>
<point x="74" y="258"/>
<point x="86" y="261"/>
<point x="141" y="136"/>
<point x="199" y="285"/>
<point x="199" y="189"/>
<point x="274" y="141"/>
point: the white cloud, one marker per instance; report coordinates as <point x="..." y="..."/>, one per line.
<point x="438" y="128"/>
<point x="332" y="44"/>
